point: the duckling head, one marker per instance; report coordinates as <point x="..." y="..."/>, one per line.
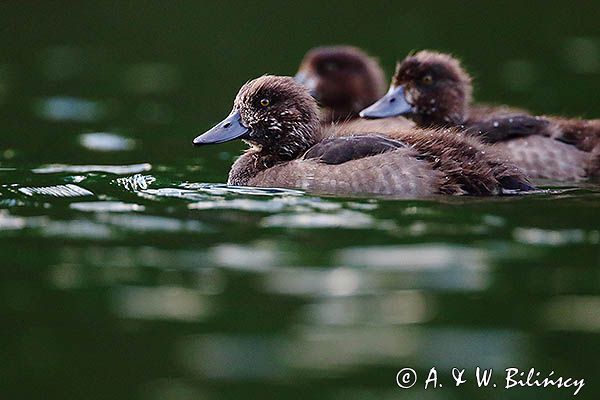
<point x="272" y="113"/>
<point x="430" y="87"/>
<point x="343" y="79"/>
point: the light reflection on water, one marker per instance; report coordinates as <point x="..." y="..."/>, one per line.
<point x="265" y="285"/>
<point x="70" y="109"/>
<point x="105" y="141"/>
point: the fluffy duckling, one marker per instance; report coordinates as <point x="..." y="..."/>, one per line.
<point x="290" y="148"/>
<point x="344" y="80"/>
<point x="434" y="90"/>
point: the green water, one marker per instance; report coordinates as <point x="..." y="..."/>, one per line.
<point x="129" y="270"/>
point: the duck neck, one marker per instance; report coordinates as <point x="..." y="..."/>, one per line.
<point x="262" y="157"/>
<point x="330" y="115"/>
<point x="439" y="119"/>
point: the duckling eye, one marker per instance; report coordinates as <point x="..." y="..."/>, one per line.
<point x="265" y="102"/>
<point x="427" y="79"/>
<point x="330" y="66"/>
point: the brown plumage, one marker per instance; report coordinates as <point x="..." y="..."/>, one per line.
<point x="387" y="126"/>
<point x="434" y="90"/>
<point x="344" y="80"/>
<point x="291" y="149"/>
<point x="582" y="133"/>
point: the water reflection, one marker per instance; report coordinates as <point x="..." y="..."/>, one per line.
<point x="170" y="303"/>
<point x="519" y="75"/>
<point x="337" y="219"/>
<point x="63" y="62"/>
<point x="573" y="313"/>
<point x="4" y="82"/>
<point x="152" y="78"/>
<point x="105" y="141"/>
<point x="69" y="190"/>
<point x="240" y="286"/>
<point x="154" y="112"/>
<point x="555" y="237"/>
<point x="79" y="169"/>
<point x="10" y="222"/>
<point x="582" y="54"/>
<point x="70" y="109"/>
<point x="106" y="206"/>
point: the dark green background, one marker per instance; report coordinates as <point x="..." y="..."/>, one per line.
<point x="193" y="291"/>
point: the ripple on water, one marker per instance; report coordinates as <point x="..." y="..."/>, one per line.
<point x="69" y="190"/>
<point x="222" y="189"/>
<point x="431" y="265"/>
<point x="536" y="236"/>
<point x="106" y="206"/>
<point x="82" y="169"/>
<point x="74" y="229"/>
<point x="160" y="303"/>
<point x="340" y="219"/>
<point x="572" y="313"/>
<point x="172" y="193"/>
<point x="150" y="223"/>
<point x="10" y="222"/>
<point x="135" y="182"/>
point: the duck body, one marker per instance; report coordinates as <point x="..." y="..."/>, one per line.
<point x="543" y="147"/>
<point x="541" y="157"/>
<point x="396" y="172"/>
<point x="291" y="149"/>
<point x="433" y="90"/>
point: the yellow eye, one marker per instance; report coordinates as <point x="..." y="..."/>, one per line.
<point x="265" y="102"/>
<point x="427" y="79"/>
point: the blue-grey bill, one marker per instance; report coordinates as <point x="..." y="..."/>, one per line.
<point x="392" y="104"/>
<point x="230" y="128"/>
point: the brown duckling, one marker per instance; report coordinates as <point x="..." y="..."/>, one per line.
<point x="434" y="90"/>
<point x="290" y="148"/>
<point x="344" y="80"/>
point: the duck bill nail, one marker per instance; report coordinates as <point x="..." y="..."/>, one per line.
<point x="230" y="128"/>
<point x="309" y="82"/>
<point x="392" y="104"/>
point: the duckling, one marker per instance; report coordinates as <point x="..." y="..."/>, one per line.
<point x="290" y="148"/>
<point x="434" y="90"/>
<point x="344" y="80"/>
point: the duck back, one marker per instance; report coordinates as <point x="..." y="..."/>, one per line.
<point x="398" y="173"/>
<point x="584" y="134"/>
<point x="388" y="127"/>
<point x="414" y="163"/>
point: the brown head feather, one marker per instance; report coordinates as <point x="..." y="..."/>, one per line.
<point x="344" y="79"/>
<point x="436" y="85"/>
